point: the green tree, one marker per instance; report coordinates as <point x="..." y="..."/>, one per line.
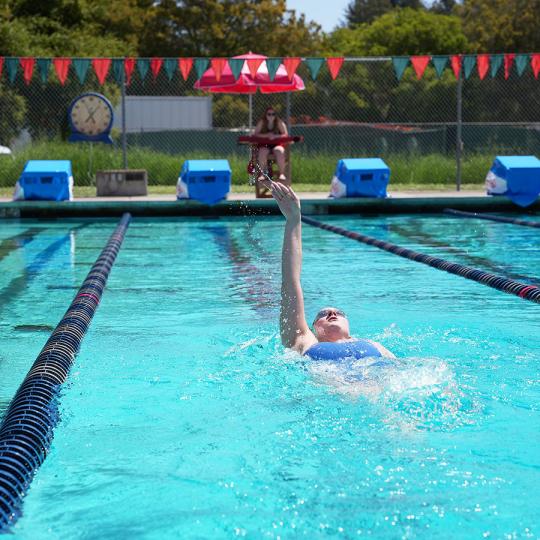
<point x="227" y="28"/>
<point x="502" y="25"/>
<point x="366" y="11"/>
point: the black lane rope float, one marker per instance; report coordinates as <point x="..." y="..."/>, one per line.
<point x="26" y="430"/>
<point x="491" y="217"/>
<point x="527" y="292"/>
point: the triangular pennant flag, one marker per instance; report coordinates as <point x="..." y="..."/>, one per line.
<point x="170" y="67"/>
<point x="236" y="65"/>
<point x="61" y="68"/>
<point x="400" y="63"/>
<point x="508" y="62"/>
<point x="272" y="65"/>
<point x="11" y="67"/>
<point x="535" y="64"/>
<point x="291" y="65"/>
<point x="185" y="65"/>
<point x="27" y="65"/>
<point x="129" y="66"/>
<point x="440" y="63"/>
<point x="155" y="66"/>
<point x="482" y="61"/>
<point x="521" y="63"/>
<point x="217" y="65"/>
<point x="314" y="65"/>
<point x="118" y="70"/>
<point x="1" y="64"/>
<point x="334" y="65"/>
<point x="253" y="65"/>
<point x="468" y="65"/>
<point x="200" y="66"/>
<point x="419" y="63"/>
<point x="101" y="67"/>
<point x="81" y="65"/>
<point x="455" y="62"/>
<point x="143" y="65"/>
<point x="43" y="65"/>
<point x="496" y="61"/>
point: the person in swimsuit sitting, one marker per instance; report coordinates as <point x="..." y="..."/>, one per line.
<point x="271" y="126"/>
<point x="330" y="337"/>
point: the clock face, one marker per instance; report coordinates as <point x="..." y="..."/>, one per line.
<point x="91" y="115"/>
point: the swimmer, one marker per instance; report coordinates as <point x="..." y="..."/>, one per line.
<point x="329" y="337"/>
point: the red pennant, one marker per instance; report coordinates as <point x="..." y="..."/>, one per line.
<point x="61" y="67"/>
<point x="217" y="65"/>
<point x="101" y="67"/>
<point x="291" y="65"/>
<point x="455" y="62"/>
<point x="535" y="64"/>
<point x="253" y="65"/>
<point x="482" y="61"/>
<point x="334" y="65"/>
<point x="1" y="64"/>
<point x="419" y="64"/>
<point x="155" y="66"/>
<point x="185" y="65"/>
<point x="27" y="65"/>
<point x="129" y="66"/>
<point x="508" y="62"/>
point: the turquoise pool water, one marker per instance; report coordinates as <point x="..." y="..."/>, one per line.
<point x="183" y="416"/>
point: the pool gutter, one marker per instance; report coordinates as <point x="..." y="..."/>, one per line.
<point x="149" y="208"/>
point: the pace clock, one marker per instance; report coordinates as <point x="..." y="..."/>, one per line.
<point x="90" y="118"/>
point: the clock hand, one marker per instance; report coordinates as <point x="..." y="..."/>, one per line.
<point x="91" y="115"/>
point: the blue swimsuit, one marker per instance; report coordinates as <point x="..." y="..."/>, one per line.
<point x="348" y="350"/>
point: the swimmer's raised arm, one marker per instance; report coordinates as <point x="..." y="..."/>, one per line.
<point x="295" y="332"/>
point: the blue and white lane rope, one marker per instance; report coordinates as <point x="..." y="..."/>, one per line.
<point x="527" y="292"/>
<point x="491" y="217"/>
<point x="26" y="430"/>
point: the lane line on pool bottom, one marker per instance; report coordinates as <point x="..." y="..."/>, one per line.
<point x="492" y="217"/>
<point x="527" y="292"/>
<point x="27" y="428"/>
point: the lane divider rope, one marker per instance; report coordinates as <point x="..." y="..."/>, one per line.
<point x="27" y="427"/>
<point x="527" y="292"/>
<point x="492" y="217"/>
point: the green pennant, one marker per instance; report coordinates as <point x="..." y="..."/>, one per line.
<point x="43" y="65"/>
<point x="314" y="65"/>
<point x="171" y="65"/>
<point x="11" y="67"/>
<point x="236" y="65"/>
<point x="495" y="61"/>
<point x="201" y="64"/>
<point x="143" y="65"/>
<point x="272" y="65"/>
<point x="81" y="66"/>
<point x="118" y="70"/>
<point x="440" y="63"/>
<point x="400" y="63"/>
<point x="468" y="65"/>
<point x="522" y="60"/>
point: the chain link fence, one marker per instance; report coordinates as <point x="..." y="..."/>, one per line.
<point x="429" y="131"/>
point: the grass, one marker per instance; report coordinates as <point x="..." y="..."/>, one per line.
<point x="312" y="173"/>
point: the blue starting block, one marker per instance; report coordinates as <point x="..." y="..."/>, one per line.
<point x="517" y="177"/>
<point x="365" y="177"/>
<point x="45" y="180"/>
<point x="205" y="180"/>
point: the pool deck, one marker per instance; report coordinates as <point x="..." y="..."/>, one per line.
<point x="246" y="204"/>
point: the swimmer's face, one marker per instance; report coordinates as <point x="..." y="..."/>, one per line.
<point x="331" y="324"/>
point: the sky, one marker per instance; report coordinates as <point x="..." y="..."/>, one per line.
<point x="328" y="13"/>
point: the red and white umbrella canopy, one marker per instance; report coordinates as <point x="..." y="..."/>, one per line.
<point x="246" y="82"/>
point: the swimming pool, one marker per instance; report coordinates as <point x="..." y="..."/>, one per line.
<point x="184" y="417"/>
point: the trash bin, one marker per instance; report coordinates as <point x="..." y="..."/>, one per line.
<point x="361" y="177"/>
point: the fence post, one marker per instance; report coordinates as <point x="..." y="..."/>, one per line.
<point x="288" y="111"/>
<point x="124" y="137"/>
<point x="459" y="142"/>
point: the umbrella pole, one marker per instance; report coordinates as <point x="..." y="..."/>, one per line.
<point x="288" y="112"/>
<point x="250" y="111"/>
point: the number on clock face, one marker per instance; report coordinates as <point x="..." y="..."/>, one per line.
<point x="90" y="115"/>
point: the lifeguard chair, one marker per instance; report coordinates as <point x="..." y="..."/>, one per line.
<point x="253" y="170"/>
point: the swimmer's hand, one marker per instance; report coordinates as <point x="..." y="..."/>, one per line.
<point x="287" y="200"/>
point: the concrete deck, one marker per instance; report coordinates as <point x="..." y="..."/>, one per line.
<point x="246" y="203"/>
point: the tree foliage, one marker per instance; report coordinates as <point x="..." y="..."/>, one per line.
<point x="227" y="28"/>
<point x="366" y="11"/>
